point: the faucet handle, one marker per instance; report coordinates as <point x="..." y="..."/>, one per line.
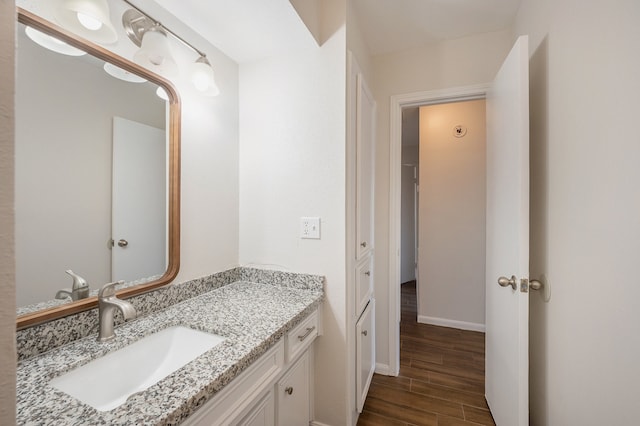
<point x="78" y="281"/>
<point x="109" y="289"/>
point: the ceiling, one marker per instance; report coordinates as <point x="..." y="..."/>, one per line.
<point x="244" y="30"/>
<point x="395" y="25"/>
<point x="247" y="30"/>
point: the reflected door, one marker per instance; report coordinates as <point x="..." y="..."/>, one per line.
<point x="139" y="219"/>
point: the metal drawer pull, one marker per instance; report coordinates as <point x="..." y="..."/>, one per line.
<point x="368" y="273"/>
<point x="364" y="333"/>
<point x="363" y="244"/>
<point x="288" y="390"/>
<point x="305" y="335"/>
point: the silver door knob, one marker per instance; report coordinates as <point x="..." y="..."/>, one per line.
<point x="123" y="243"/>
<point x="504" y="282"/>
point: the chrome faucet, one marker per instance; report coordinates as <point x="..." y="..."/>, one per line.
<point x="79" y="289"/>
<point x="107" y="304"/>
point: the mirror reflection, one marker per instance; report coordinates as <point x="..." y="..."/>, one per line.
<point x="91" y="181"/>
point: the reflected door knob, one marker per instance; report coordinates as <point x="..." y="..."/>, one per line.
<point x="123" y="243"/>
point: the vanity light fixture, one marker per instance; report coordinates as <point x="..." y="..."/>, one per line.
<point x="151" y="36"/>
<point x="90" y="19"/>
<point x="121" y="74"/>
<point x="52" y="43"/>
<point x="203" y="78"/>
<point x="155" y="53"/>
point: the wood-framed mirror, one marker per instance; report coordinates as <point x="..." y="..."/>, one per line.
<point x="58" y="231"/>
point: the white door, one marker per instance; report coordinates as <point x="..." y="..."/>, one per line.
<point x="507" y="309"/>
<point x="365" y="353"/>
<point x="139" y="216"/>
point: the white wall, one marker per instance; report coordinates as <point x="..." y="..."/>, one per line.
<point x="292" y="164"/>
<point x="7" y="267"/>
<point x="452" y="215"/>
<point x="357" y="44"/>
<point x="460" y="62"/>
<point x="585" y="205"/>
<point x="64" y="167"/>
<point x="209" y="152"/>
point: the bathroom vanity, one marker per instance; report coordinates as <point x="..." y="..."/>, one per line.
<point x="259" y="375"/>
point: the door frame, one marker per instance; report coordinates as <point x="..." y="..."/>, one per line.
<point x="397" y="102"/>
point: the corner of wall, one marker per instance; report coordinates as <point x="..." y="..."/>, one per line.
<point x="7" y="258"/>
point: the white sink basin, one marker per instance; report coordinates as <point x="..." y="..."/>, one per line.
<point x="107" y="382"/>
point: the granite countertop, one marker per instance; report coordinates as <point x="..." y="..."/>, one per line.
<point x="251" y="316"/>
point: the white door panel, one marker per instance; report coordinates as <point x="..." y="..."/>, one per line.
<point x="507" y="310"/>
<point x="139" y="201"/>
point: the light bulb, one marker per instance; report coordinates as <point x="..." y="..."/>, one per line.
<point x="89" y="22"/>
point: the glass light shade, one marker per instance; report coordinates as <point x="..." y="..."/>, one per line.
<point x="203" y="77"/>
<point x="52" y="43"/>
<point x="121" y="74"/>
<point x="162" y="94"/>
<point x="155" y="54"/>
<point x="87" y="18"/>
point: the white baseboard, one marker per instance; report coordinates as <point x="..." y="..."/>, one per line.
<point x="315" y="423"/>
<point x="462" y="325"/>
<point x="383" y="369"/>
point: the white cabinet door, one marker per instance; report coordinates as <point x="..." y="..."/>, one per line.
<point x="293" y="395"/>
<point x="364" y="284"/>
<point x="262" y="413"/>
<point x="365" y="149"/>
<point x="365" y="353"/>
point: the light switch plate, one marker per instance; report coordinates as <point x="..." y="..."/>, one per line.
<point x="310" y="228"/>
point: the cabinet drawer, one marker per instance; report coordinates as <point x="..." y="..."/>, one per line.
<point x="364" y="284"/>
<point x="301" y="336"/>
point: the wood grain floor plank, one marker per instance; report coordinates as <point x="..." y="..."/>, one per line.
<point x="411" y="400"/>
<point x="477" y="415"/>
<point x="368" y="418"/>
<point x="466" y="398"/>
<point x="391" y="410"/>
<point x="441" y="381"/>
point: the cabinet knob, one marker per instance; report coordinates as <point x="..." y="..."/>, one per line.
<point x="368" y="273"/>
<point x="363" y="244"/>
<point x="364" y="333"/>
<point x="289" y="390"/>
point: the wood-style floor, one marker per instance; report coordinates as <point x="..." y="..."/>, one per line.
<point x="441" y="381"/>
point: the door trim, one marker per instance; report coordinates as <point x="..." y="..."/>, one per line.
<point x="397" y="102"/>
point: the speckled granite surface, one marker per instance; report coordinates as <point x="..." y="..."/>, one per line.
<point x="252" y="316"/>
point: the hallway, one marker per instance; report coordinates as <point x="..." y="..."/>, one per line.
<point x="441" y="381"/>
